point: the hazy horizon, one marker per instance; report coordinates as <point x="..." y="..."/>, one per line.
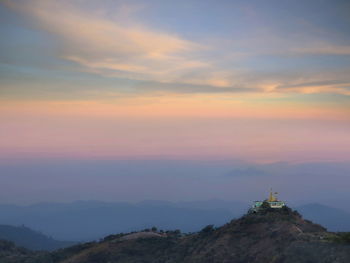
<point x="38" y="181"/>
<point x="174" y="100"/>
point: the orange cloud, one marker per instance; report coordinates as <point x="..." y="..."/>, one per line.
<point x="337" y="89"/>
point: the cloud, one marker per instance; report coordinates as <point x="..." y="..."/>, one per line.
<point x="337" y="86"/>
<point x="321" y="89"/>
<point x="117" y="46"/>
<point x="324" y="49"/>
<point x="112" y="48"/>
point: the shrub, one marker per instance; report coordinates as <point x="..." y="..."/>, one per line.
<point x="208" y="229"/>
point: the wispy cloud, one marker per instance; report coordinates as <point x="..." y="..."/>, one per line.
<point x="321" y="86"/>
<point x="120" y="47"/>
<point x="113" y="48"/>
<point x="325" y="49"/>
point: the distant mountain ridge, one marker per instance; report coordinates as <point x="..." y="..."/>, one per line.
<point x="333" y="218"/>
<point x="25" y="237"/>
<point x="90" y="220"/>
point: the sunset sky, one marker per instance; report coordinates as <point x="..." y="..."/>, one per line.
<point x="256" y="81"/>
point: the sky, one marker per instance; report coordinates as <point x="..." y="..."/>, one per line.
<point x="255" y="82"/>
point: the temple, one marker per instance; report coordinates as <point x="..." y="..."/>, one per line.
<point x="272" y="200"/>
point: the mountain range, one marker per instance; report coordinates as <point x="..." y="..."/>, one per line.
<point x="91" y="220"/>
<point x="25" y="237"/>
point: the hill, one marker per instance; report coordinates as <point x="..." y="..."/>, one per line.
<point x="279" y="236"/>
<point x="30" y="239"/>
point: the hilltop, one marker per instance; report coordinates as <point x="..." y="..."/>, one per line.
<point x="271" y="235"/>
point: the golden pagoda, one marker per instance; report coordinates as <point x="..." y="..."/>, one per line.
<point x="272" y="200"/>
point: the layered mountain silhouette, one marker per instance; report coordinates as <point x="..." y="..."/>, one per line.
<point x="333" y="218"/>
<point x="90" y="220"/>
<point x="271" y="235"/>
<point x="25" y="237"/>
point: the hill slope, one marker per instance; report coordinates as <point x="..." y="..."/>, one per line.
<point x="30" y="239"/>
<point x="279" y="236"/>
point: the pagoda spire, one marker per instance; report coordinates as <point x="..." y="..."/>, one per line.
<point x="272" y="198"/>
